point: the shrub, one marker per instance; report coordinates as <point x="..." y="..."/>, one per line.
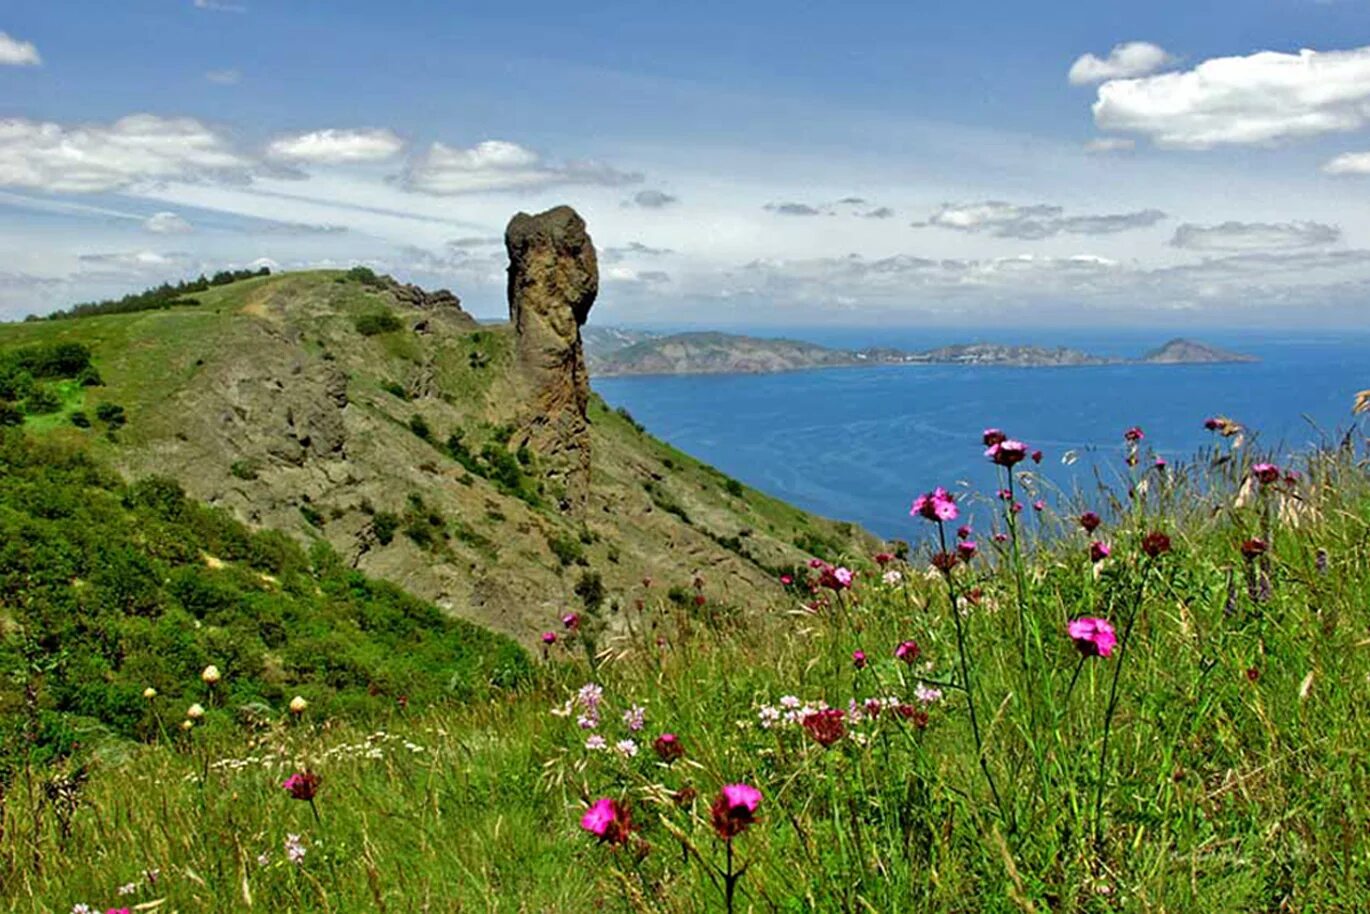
<point x="384" y="523"/>
<point x="396" y="389"/>
<point x="376" y="322"/>
<point x="112" y="414"/>
<point x="42" y="401"/>
<point x="244" y="469"/>
<point x="80" y="419"/>
<point x="419" y="426"/>
<point x="567" y="550"/>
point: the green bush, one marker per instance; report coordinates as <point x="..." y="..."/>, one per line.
<point x="419" y="426"/>
<point x="375" y="322"/>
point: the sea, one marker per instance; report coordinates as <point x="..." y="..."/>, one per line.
<point x="859" y="443"/>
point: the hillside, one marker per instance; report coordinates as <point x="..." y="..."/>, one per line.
<point x="427" y="450"/>
<point x="613" y="351"/>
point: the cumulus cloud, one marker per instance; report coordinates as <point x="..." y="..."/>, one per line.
<point x="651" y="199"/>
<point x="880" y="212"/>
<point x="793" y="209"/>
<point x="103" y="157"/>
<point x="1132" y="58"/>
<point x="1254" y="236"/>
<point x="1106" y="144"/>
<point x="1349" y="163"/>
<point x="16" y="53"/>
<point x="121" y="264"/>
<point x="336" y="147"/>
<point x="1261" y="98"/>
<point x="498" y="165"/>
<point x="1008" y="220"/>
<point x="224" y="77"/>
<point x="166" y="223"/>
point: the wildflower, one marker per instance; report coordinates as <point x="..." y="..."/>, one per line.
<point x="635" y="717"/>
<point x="82" y="909"/>
<point x="883" y="558"/>
<point x="790" y="702"/>
<point x="589" y="720"/>
<point x="595" y="743"/>
<point x="589" y="696"/>
<point x="858" y="659"/>
<point x="1254" y="548"/>
<point x="298" y="705"/>
<point x="1039" y="505"/>
<point x="626" y="748"/>
<point x="609" y="821"/>
<point x="734" y="809"/>
<point x="1000" y="537"/>
<point x="294" y="849"/>
<point x="571" y="621"/>
<point x="825" y="726"/>
<point x="149" y="693"/>
<point x="1252" y="674"/>
<point x="1005" y="494"/>
<point x="210" y="676"/>
<point x="1160" y="464"/>
<point x="1320" y="561"/>
<point x="1090" y="521"/>
<point x="187" y="725"/>
<point x="1212" y="423"/>
<point x="264" y="859"/>
<point x="195" y="711"/>
<point x="549" y="637"/>
<point x="944" y="562"/>
<point x="1155" y="544"/>
<point x="835" y="578"/>
<point x="1266" y="473"/>
<point x="1093" y="637"/>
<point x="916" y="716"/>
<point x="787" y="579"/>
<point x="927" y="694"/>
<point x="937" y="505"/>
<point x="1134" y="434"/>
<point x="767" y="717"/>
<point x="1006" y="453"/>
<point x="893" y="576"/>
<point x="668" y="748"/>
<point x="302" y="785"/>
<point x="152" y="876"/>
<point x="973" y="596"/>
<point x="907" y="651"/>
<point x="993" y="436"/>
<point x="699" y="599"/>
<point x="1016" y="507"/>
<point x="963" y="532"/>
<point x="128" y="889"/>
<point x="1098" y="551"/>
<point x="967" y="549"/>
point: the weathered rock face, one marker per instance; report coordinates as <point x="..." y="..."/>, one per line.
<point x="553" y="281"/>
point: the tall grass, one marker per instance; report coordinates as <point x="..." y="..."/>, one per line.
<point x="1234" y="777"/>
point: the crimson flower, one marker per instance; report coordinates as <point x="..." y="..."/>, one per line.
<point x="993" y="436"/>
<point x="825" y="726"/>
<point x="907" y="651"/>
<point x="571" y="621"/>
<point x="1254" y="548"/>
<point x="1098" y="551"/>
<point x="734" y="809"/>
<point x="1155" y="544"/>
<point x="967" y="549"/>
<point x="1006" y="453"/>
<point x="302" y="785"/>
<point x="1134" y="434"/>
<point x="858" y="659"/>
<point x="668" y="747"/>
<point x="1090" y="521"/>
<point x="1266" y="473"/>
<point x="609" y="821"/>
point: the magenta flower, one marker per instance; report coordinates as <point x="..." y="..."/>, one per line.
<point x="1006" y="453"/>
<point x="858" y="659"/>
<point x="1134" y="434"/>
<point x="1039" y="505"/>
<point x="838" y="578"/>
<point x="668" y="747"/>
<point x="1000" y="537"/>
<point x="1036" y="456"/>
<point x="549" y="637"/>
<point x="1098" y="551"/>
<point x="937" y="505"/>
<point x="608" y="821"/>
<point x="1160" y="463"/>
<point x="734" y="809"/>
<point x="302" y="785"/>
<point x="825" y="725"/>
<point x="907" y="651"/>
<point x="963" y="532"/>
<point x="1266" y="473"/>
<point x="967" y="549"/>
<point x="993" y="436"/>
<point x="571" y="621"/>
<point x="1093" y="637"/>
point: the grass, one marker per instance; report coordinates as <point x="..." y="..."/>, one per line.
<point x="1235" y="776"/>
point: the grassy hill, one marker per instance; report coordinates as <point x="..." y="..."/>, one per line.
<point x="330" y="406"/>
<point x="974" y="756"/>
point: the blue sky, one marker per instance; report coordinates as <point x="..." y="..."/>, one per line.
<point x="738" y="163"/>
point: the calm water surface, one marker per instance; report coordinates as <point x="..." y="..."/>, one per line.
<point x="858" y="443"/>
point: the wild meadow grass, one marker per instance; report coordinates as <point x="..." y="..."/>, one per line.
<point x="1200" y="744"/>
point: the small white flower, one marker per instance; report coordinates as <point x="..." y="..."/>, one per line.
<point x="128" y="888"/>
<point x="264" y="859"/>
<point x="635" y="717"/>
<point x="82" y="909"/>
<point x="596" y="743"/>
<point x="927" y="694"/>
<point x="893" y="576"/>
<point x="790" y="702"/>
<point x="294" y="850"/>
<point x="626" y="748"/>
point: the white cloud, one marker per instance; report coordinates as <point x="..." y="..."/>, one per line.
<point x="1255" y="236"/>
<point x="651" y="199"/>
<point x="224" y="77"/>
<point x="497" y="165"/>
<point x="1133" y="58"/>
<point x="1261" y="98"/>
<point x="16" y="53"/>
<point x="104" y="157"/>
<point x="1349" y="163"/>
<point x="1008" y="220"/>
<point x="336" y="147"/>
<point x="220" y="6"/>
<point x="1106" y="144"/>
<point x="166" y="223"/>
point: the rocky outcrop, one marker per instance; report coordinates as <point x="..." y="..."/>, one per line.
<point x="553" y="281"/>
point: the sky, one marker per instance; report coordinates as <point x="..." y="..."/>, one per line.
<point x="749" y="163"/>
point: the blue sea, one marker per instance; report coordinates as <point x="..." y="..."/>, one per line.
<point x="858" y="443"/>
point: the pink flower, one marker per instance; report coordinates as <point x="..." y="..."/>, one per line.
<point x="734" y="809"/>
<point x="883" y="558"/>
<point x="1160" y="463"/>
<point x="549" y="637"/>
<point x="1266" y="473"/>
<point x="1134" y="434"/>
<point x="1098" y="551"/>
<point x="907" y="651"/>
<point x="1090" y="521"/>
<point x="1007" y="452"/>
<point x="608" y="821"/>
<point x="1212" y="424"/>
<point x="1039" y="505"/>
<point x="825" y="725"/>
<point x="668" y="747"/>
<point x="966" y="549"/>
<point x="1093" y="637"/>
<point x="963" y="533"/>
<point x="993" y="436"/>
<point x="835" y="578"/>
<point x="1000" y="537"/>
<point x="571" y="621"/>
<point x="302" y="785"/>
<point x="937" y="505"/>
<point x="858" y="659"/>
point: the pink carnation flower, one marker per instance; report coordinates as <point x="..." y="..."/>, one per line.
<point x="937" y="505"/>
<point x="1093" y="637"/>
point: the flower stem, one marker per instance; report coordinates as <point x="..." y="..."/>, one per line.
<point x="1113" y="705"/>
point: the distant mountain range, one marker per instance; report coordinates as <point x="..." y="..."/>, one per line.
<point x="616" y="351"/>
